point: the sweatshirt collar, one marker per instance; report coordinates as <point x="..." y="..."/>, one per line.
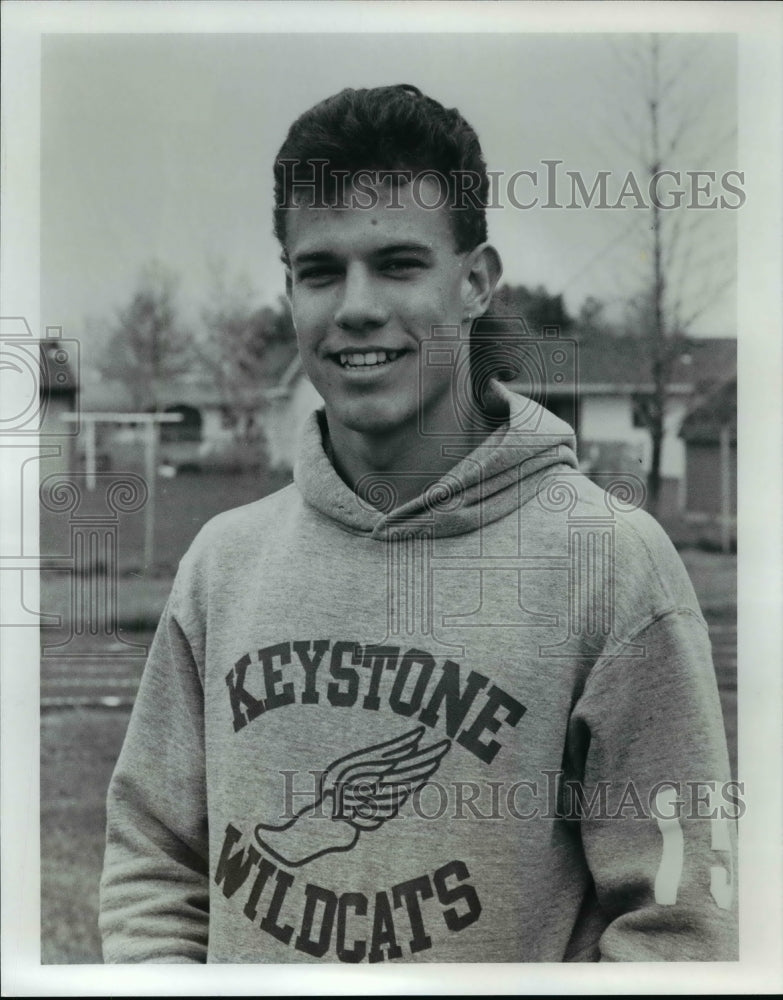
<point x="497" y="477"/>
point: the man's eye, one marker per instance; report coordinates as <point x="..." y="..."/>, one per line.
<point x="317" y="275"/>
<point x="403" y="266"/>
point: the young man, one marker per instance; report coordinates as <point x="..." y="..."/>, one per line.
<point x="442" y="699"/>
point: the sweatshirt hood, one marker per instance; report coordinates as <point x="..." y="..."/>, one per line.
<point x="490" y="481"/>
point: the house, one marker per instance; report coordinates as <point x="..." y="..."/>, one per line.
<point x="221" y="427"/>
<point x="709" y="434"/>
<point x="602" y="386"/>
<point x="206" y="435"/>
<point x="288" y="404"/>
<point x="58" y="396"/>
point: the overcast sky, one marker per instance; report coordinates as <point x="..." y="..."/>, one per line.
<point x="161" y="147"/>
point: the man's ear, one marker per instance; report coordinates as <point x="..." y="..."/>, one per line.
<point x="483" y="268"/>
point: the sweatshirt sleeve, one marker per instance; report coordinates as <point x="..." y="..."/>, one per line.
<point x="656" y="806"/>
<point x="154" y="888"/>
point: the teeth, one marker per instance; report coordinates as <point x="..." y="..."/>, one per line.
<point x="358" y="360"/>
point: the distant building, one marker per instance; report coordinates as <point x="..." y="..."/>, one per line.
<point x="58" y="392"/>
<point x="709" y="434"/>
<point x="288" y="404"/>
<point x="602" y="389"/>
<point x="206" y="435"/>
<point x="221" y="428"/>
<point x="604" y="393"/>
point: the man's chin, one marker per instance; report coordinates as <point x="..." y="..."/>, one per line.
<point x="375" y="421"/>
<point x="381" y="428"/>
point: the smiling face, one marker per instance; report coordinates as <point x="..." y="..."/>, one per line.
<point x="367" y="287"/>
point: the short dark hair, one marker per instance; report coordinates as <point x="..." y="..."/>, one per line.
<point x="385" y="128"/>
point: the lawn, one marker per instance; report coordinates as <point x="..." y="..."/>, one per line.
<point x="183" y="504"/>
<point x="78" y="752"/>
<point x="79" y="746"/>
<point x="140" y="598"/>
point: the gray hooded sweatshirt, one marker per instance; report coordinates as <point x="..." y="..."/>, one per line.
<point x="482" y="726"/>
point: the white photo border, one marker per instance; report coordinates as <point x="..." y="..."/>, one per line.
<point x="760" y="447"/>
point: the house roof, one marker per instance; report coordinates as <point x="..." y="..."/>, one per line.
<point x="194" y="389"/>
<point x="613" y="365"/>
<point x="605" y="365"/>
<point x="617" y="365"/>
<point x="116" y="396"/>
<point x="287" y="380"/>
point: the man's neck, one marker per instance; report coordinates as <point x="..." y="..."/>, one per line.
<point x="408" y="460"/>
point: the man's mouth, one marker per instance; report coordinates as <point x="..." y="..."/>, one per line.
<point x="365" y="359"/>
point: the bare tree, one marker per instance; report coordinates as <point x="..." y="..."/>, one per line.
<point x="146" y="343"/>
<point x="670" y="125"/>
<point x="240" y="344"/>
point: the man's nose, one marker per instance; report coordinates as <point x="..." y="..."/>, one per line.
<point x="360" y="306"/>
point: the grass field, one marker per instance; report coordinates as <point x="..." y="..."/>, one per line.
<point x="182" y="506"/>
<point x="79" y="746"/>
<point x="141" y="598"/>
<point x="78" y="751"/>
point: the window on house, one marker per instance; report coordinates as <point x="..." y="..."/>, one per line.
<point x="188" y="429"/>
<point x="641" y="409"/>
<point x="565" y="407"/>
